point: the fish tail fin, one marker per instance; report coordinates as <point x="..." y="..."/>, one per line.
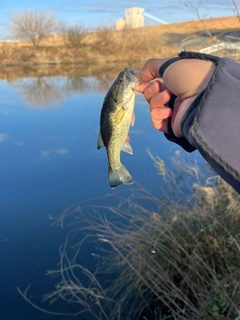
<point x="119" y="176"/>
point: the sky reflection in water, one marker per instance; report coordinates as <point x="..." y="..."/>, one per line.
<point x="49" y="160"/>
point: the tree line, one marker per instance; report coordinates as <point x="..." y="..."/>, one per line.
<point x="34" y="26"/>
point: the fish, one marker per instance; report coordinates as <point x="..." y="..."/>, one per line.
<point x="117" y="114"/>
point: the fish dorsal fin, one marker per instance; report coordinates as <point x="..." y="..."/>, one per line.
<point x="100" y="143"/>
<point x="120" y="115"/>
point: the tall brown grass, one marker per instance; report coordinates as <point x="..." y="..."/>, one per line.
<point x="104" y="45"/>
<point x="174" y="255"/>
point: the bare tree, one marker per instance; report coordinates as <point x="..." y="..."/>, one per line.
<point x="235" y="9"/>
<point x="193" y="5"/>
<point x="74" y="35"/>
<point x="40" y="92"/>
<point x="32" y="25"/>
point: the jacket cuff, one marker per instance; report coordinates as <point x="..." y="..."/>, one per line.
<point x="185" y="142"/>
<point x="211" y="124"/>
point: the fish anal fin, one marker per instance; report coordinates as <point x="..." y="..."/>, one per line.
<point x="133" y="119"/>
<point x="127" y="148"/>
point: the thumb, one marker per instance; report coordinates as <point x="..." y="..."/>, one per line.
<point x="187" y="78"/>
<point x="150" y="69"/>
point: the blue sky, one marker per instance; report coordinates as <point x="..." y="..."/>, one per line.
<point x="94" y="13"/>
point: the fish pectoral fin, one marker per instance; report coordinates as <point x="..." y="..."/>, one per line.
<point x="100" y="143"/>
<point x="127" y="148"/>
<point x="120" y="115"/>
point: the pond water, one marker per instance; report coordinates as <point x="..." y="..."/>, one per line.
<point x="49" y="160"/>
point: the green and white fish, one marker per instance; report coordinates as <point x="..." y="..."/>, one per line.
<point x="116" y="116"/>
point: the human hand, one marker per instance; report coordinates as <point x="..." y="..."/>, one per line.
<point x="185" y="78"/>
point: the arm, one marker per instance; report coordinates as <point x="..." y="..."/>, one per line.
<point x="206" y="112"/>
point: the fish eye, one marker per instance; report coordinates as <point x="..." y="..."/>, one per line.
<point x="120" y="80"/>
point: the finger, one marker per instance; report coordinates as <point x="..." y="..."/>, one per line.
<point x="180" y="108"/>
<point x="159" y="113"/>
<point x="141" y="87"/>
<point x="151" y="90"/>
<point x="159" y="118"/>
<point x="150" y="69"/>
<point x="160" y="99"/>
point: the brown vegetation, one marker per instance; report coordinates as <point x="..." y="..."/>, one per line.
<point x="105" y="45"/>
<point x="32" y="25"/>
<point x="105" y="71"/>
<point x="170" y="256"/>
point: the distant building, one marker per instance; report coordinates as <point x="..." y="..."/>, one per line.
<point x="133" y="19"/>
<point x="120" y="24"/>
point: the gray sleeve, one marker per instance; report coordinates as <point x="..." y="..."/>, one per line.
<point x="212" y="122"/>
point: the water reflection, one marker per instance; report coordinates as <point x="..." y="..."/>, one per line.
<point x="49" y="160"/>
<point x="77" y="83"/>
<point x="42" y="87"/>
<point x="3" y="137"/>
<point x="39" y="92"/>
<point x="133" y="243"/>
<point x="43" y="92"/>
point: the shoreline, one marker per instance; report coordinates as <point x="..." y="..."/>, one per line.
<point x="111" y="47"/>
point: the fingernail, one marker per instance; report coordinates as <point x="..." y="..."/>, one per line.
<point x="151" y="87"/>
<point x="159" y="96"/>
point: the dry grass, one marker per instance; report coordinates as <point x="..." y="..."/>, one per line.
<point x="109" y="45"/>
<point x="171" y="256"/>
<point x="100" y="71"/>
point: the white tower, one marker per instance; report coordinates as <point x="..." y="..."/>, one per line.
<point x="134" y="17"/>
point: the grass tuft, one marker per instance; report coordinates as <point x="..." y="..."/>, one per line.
<point x="175" y="255"/>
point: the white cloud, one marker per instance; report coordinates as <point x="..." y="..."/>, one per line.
<point x="3" y="137"/>
<point x="46" y="154"/>
<point x="19" y="143"/>
<point x="6" y="111"/>
<point x="60" y="151"/>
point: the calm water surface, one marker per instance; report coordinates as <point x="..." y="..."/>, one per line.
<point x="49" y="160"/>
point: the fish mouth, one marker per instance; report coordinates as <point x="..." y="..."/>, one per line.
<point x="134" y="71"/>
<point x="134" y="82"/>
<point x="132" y="74"/>
<point x="128" y="95"/>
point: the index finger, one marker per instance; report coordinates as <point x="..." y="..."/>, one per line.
<point x="141" y="87"/>
<point x="150" y="69"/>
